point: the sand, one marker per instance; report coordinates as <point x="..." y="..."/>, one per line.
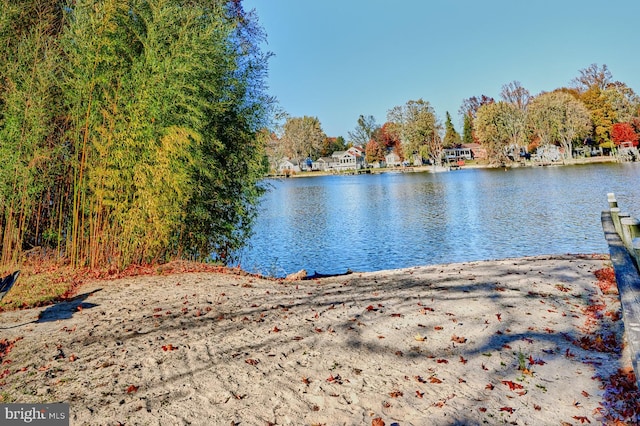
<point x="495" y="342"/>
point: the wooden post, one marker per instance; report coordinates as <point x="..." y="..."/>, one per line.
<point x="630" y="227"/>
<point x="635" y="244"/>
<point x="615" y="212"/>
<point x="611" y="198"/>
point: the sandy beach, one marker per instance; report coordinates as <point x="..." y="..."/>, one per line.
<point x="527" y="341"/>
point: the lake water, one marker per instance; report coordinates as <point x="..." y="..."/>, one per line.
<point x="330" y="224"/>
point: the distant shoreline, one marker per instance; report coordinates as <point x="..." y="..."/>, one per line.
<point x="472" y="165"/>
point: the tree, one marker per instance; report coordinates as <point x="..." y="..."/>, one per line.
<point x="557" y="117"/>
<point x="467" y="130"/>
<point x="515" y="94"/>
<point x="416" y="126"/>
<point x="470" y="106"/>
<point x="501" y="129"/>
<point x="374" y="151"/>
<point x="330" y="145"/>
<point x="593" y="76"/>
<point x="364" y="131"/>
<point x="274" y="149"/>
<point x="129" y="128"/>
<point x="303" y="137"/>
<point x="451" y="137"/>
<point x="29" y="115"/>
<point x="623" y="100"/>
<point x="623" y="132"/>
<point x="602" y="113"/>
<point x="468" y="111"/>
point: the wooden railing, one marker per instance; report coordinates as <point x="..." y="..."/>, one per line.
<point x="627" y="227"/>
<point x="622" y="233"/>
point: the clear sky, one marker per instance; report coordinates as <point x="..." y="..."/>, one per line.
<point x="337" y="59"/>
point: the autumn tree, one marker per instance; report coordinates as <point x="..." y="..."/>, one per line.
<point x="515" y="94"/>
<point x="623" y="100"/>
<point x="594" y="76"/>
<point x="501" y="129"/>
<point x="603" y="116"/>
<point x="624" y="132"/>
<point x="387" y="138"/>
<point x="330" y="145"/>
<point x="557" y="117"/>
<point x="274" y="149"/>
<point x="374" y="151"/>
<point x="364" y="131"/>
<point x="303" y="137"/>
<point x="470" y="106"/>
<point x="451" y="136"/>
<point x="468" y="110"/>
<point x="416" y="126"/>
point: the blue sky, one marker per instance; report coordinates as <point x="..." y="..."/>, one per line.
<point x="337" y="59"/>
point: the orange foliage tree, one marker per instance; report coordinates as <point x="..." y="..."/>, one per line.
<point x="623" y="132"/>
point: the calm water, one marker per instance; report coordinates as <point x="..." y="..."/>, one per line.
<point x="395" y="220"/>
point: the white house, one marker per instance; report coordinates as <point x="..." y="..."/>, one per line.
<point x="351" y="159"/>
<point x="288" y="165"/>
<point x="392" y="159"/>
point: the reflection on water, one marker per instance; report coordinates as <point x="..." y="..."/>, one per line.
<point x="371" y="222"/>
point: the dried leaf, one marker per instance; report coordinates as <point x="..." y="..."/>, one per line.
<point x="512" y="385"/>
<point x="507" y="409"/>
<point x="377" y="422"/>
<point x="458" y="339"/>
<point x="251" y="361"/>
<point x="335" y="379"/>
<point x="395" y="394"/>
<point x="132" y="389"/>
<point x="582" y="419"/>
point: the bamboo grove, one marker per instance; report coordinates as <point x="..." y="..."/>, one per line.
<point x="127" y="129"/>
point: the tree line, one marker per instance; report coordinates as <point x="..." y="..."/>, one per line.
<point x="127" y="129"/>
<point x="594" y="111"/>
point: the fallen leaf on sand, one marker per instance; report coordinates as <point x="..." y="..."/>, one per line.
<point x="458" y="339"/>
<point x="512" y="385"/>
<point x="419" y="338"/>
<point x="132" y="389"/>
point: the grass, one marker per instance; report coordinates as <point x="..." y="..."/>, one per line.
<point x="38" y="287"/>
<point x="43" y="282"/>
